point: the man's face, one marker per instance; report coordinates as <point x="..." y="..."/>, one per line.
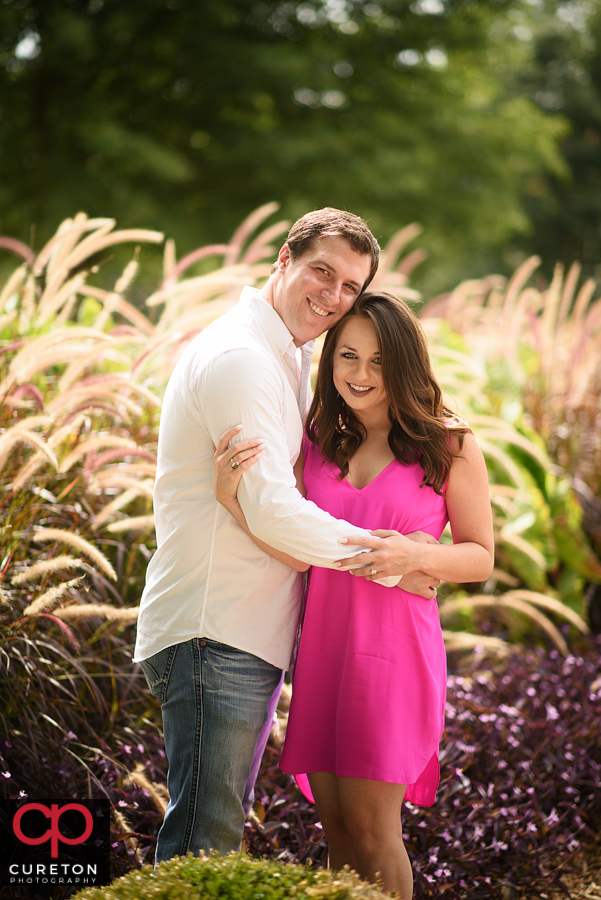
<point x="317" y="288"/>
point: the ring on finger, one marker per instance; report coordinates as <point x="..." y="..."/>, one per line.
<point x="372" y="571"/>
<point x="234" y="464"/>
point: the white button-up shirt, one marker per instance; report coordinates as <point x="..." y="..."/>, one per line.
<point x="207" y="577"/>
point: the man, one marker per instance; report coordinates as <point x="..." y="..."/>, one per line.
<point x="218" y="616"/>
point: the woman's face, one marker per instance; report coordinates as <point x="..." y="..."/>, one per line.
<point x="357" y="368"/>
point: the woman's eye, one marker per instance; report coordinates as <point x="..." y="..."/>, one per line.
<point x="348" y="355"/>
<point x="377" y="361"/>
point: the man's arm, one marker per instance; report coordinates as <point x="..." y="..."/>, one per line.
<point x="226" y="481"/>
<point x="231" y="462"/>
<point x="242" y="387"/>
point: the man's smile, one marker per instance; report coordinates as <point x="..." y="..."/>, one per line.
<point x="317" y="309"/>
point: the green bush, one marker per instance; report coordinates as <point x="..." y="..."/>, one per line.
<point x="233" y="877"/>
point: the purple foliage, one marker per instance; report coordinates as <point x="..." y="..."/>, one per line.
<point x="520" y="787"/>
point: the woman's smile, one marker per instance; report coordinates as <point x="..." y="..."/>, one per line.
<point x="358" y="389"/>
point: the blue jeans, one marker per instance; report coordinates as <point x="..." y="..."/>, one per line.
<point x="217" y="704"/>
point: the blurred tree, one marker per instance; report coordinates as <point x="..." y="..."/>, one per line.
<point x="184" y="116"/>
<point x="565" y="78"/>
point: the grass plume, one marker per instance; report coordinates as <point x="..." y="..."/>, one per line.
<point x="50" y="598"/>
<point x="78" y="543"/>
<point x="45" y="567"/>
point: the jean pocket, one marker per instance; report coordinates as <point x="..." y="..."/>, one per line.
<point x="157" y="670"/>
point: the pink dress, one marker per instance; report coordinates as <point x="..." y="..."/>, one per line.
<point x="370" y="679"/>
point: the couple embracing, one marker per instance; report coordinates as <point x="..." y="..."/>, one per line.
<point x="296" y="482"/>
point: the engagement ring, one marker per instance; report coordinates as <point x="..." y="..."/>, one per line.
<point x="372" y="571"/>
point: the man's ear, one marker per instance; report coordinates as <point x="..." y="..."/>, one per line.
<point x="284" y="257"/>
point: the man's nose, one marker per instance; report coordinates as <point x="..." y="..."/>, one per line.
<point x="332" y="291"/>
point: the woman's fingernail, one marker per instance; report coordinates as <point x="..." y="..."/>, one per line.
<point x="337" y="565"/>
<point x="343" y="541"/>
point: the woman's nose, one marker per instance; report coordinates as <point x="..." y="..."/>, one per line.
<point x="362" y="370"/>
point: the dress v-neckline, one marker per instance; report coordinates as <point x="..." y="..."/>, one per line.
<point x="365" y="486"/>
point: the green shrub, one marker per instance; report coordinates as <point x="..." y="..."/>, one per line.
<point x="233" y="877"/>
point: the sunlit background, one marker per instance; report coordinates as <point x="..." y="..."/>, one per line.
<point x="479" y="120"/>
<point x="151" y="154"/>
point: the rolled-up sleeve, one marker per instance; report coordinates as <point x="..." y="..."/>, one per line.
<point x="243" y="387"/>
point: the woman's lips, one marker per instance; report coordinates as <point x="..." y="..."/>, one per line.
<point x="356" y="393"/>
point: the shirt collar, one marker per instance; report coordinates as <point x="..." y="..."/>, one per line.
<point x="272" y="325"/>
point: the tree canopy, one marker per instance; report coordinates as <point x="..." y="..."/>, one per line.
<point x="184" y="116"/>
<point x="565" y="78"/>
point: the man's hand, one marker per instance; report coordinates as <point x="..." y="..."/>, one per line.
<point x="391" y="554"/>
<point x="419" y="583"/>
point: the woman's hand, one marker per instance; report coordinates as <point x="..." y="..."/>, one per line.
<point x="390" y="553"/>
<point x="386" y="555"/>
<point x="231" y="463"/>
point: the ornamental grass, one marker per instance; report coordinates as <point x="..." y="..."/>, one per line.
<point x="82" y="373"/>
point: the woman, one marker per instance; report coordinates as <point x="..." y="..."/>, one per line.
<point x="367" y="712"/>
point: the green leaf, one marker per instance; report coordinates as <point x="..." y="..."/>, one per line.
<point x="572" y="546"/>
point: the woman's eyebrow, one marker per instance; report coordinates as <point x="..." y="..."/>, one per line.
<point x="346" y="346"/>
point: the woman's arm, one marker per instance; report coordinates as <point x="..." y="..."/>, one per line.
<point x="226" y="480"/>
<point x="471" y="555"/>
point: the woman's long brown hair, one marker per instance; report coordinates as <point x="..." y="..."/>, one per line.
<point x="420" y="423"/>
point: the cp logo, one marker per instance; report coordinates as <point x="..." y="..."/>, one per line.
<point x="53" y="812"/>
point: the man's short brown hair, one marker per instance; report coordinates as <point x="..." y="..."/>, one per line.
<point x="330" y="222"/>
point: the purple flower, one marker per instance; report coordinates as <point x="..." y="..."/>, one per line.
<point x="552" y="818"/>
